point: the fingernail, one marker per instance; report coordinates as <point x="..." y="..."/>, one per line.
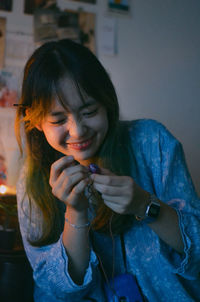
<point x="70" y="158"/>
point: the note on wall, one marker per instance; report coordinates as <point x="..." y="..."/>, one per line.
<point x="19" y="47"/>
<point x="108" y="36"/>
<point x="8" y="89"/>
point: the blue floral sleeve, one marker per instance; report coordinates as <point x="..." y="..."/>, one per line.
<point x="50" y="263"/>
<point x="165" y="164"/>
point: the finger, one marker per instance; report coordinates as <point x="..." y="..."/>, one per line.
<point x="115" y="207"/>
<point x="75" y="199"/>
<point x="104" y="171"/>
<point x="66" y="183"/>
<point x="58" y="166"/>
<point x="113" y="199"/>
<point x="67" y="171"/>
<point x="110" y="180"/>
<point x="80" y="187"/>
<point x="108" y="190"/>
<point x="70" y="171"/>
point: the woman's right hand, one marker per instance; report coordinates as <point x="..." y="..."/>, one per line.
<point x="68" y="181"/>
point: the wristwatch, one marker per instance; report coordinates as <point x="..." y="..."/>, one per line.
<point x="152" y="210"/>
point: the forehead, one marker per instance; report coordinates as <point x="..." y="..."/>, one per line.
<point x="69" y="94"/>
<point x="70" y="97"/>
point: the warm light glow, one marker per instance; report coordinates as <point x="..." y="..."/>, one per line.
<point x="3" y="189"/>
<point x="6" y="190"/>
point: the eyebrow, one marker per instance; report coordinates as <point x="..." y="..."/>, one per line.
<point x="91" y="102"/>
<point x="86" y="105"/>
<point x="56" y="113"/>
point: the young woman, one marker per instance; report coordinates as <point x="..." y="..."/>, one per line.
<point x="134" y="219"/>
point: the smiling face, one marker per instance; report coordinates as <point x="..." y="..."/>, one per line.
<point x="78" y="129"/>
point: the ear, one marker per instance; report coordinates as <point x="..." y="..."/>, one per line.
<point x="38" y="126"/>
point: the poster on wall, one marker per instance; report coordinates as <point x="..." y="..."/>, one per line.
<point x="19" y="47"/>
<point x="87" y="30"/>
<point x="2" y="40"/>
<point x="6" y="5"/>
<point x="119" y="6"/>
<point x="8" y="89"/>
<point x="31" y="5"/>
<point x="52" y="24"/>
<point x="45" y="25"/>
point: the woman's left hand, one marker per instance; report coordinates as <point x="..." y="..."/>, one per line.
<point x="120" y="193"/>
<point x="124" y="196"/>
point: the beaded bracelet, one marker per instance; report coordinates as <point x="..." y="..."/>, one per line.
<point x="77" y="226"/>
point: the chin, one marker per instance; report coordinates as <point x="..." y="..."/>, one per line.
<point x="83" y="157"/>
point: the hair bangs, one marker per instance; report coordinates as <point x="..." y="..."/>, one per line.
<point x="78" y="87"/>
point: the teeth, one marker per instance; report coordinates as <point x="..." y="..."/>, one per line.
<point x="80" y="145"/>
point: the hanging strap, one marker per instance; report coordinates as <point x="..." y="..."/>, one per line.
<point x="125" y="266"/>
<point x="123" y="252"/>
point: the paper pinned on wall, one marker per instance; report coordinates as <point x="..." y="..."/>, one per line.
<point x="78" y="26"/>
<point x="121" y="7"/>
<point x="108" y="36"/>
<point x="8" y="89"/>
<point x="87" y="30"/>
<point x="19" y="47"/>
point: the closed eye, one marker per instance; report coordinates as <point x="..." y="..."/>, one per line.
<point x="59" y="122"/>
<point x="90" y="113"/>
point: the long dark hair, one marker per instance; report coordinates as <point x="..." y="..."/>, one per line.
<point x="43" y="71"/>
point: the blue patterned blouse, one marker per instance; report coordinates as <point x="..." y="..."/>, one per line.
<point x="158" y="166"/>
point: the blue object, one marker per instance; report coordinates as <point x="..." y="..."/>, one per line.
<point x="94" y="168"/>
<point x="123" y="288"/>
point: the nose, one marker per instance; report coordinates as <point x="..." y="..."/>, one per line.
<point x="76" y="128"/>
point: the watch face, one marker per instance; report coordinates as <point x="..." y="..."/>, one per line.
<point x="154" y="210"/>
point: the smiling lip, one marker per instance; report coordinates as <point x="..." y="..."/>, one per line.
<point x="80" y="146"/>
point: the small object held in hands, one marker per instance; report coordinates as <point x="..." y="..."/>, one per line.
<point x="94" y="195"/>
<point x="93" y="168"/>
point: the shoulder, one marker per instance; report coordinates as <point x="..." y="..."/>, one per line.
<point x="150" y="140"/>
<point x="148" y="127"/>
<point x="149" y="131"/>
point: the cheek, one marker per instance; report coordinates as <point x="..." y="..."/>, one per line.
<point x="104" y="125"/>
<point x="52" y="135"/>
<point x="100" y="125"/>
<point x="101" y="122"/>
